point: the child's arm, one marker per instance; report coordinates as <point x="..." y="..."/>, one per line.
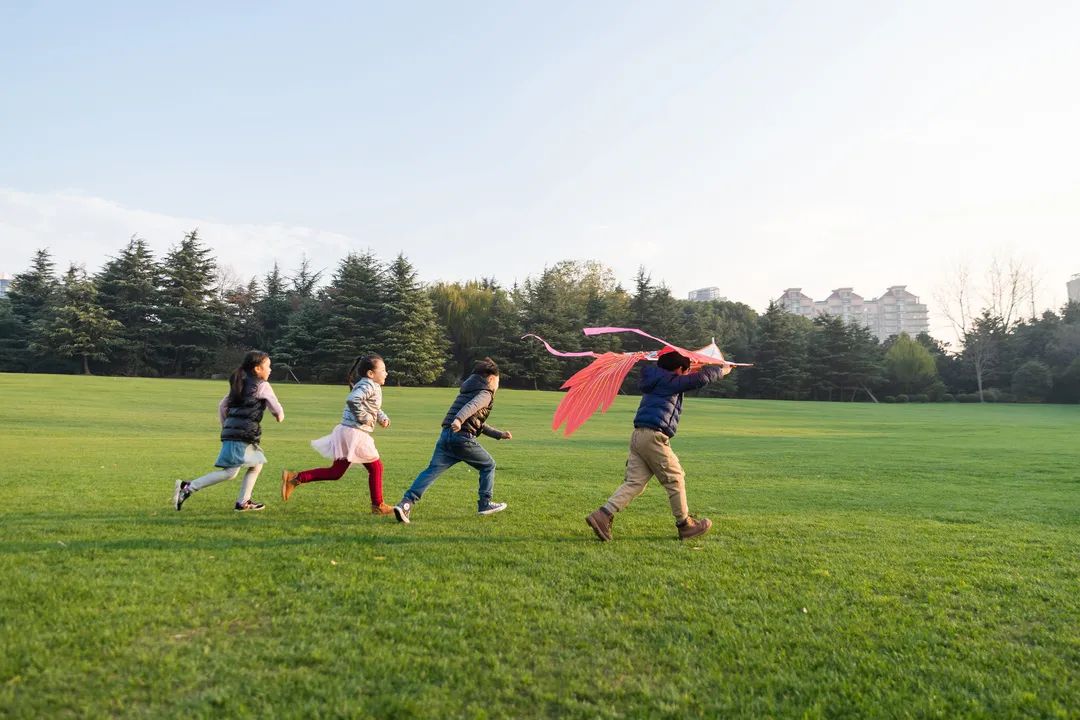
<point x="223" y="409"/>
<point x="265" y="392"/>
<point x="494" y="432"/>
<point x="384" y="419"/>
<point x="482" y="399"/>
<point x="672" y="384"/>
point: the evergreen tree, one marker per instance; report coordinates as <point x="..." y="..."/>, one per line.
<point x="357" y="302"/>
<point x="503" y="342"/>
<point x="79" y="328"/>
<point x="272" y="310"/>
<point x="190" y="314"/>
<point x="412" y="341"/>
<point x="780" y="355"/>
<point x="32" y="295"/>
<point x="12" y="340"/>
<point x="301" y="347"/>
<point x="129" y="291"/>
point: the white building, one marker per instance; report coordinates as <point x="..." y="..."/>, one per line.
<point x="1074" y="288"/>
<point x="705" y="294"/>
<point x="896" y="311"/>
<point x="5" y="283"/>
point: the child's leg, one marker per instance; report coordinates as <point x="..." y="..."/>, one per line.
<point x="441" y="461"/>
<point x="334" y="472"/>
<point x="374" y="480"/>
<point x="637" y="472"/>
<point x="476" y="456"/>
<point x="248" y="484"/>
<point x="668" y="470"/>
<point x="213" y="478"/>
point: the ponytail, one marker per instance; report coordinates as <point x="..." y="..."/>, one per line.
<point x="251" y="361"/>
<point x="360" y="367"/>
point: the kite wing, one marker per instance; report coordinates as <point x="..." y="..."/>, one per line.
<point x="593" y="387"/>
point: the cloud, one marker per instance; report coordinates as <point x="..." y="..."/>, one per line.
<point x="86" y="230"/>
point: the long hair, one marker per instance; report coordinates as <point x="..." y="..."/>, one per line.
<point x="251" y="361"/>
<point x="360" y="367"/>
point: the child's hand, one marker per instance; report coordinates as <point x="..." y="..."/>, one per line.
<point x="507" y="435"/>
<point x="385" y="423"/>
<point x="281" y="419"/>
<point x="456" y="425"/>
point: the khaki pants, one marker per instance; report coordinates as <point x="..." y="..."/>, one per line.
<point x="651" y="454"/>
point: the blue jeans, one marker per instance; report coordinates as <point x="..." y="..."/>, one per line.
<point x="450" y="449"/>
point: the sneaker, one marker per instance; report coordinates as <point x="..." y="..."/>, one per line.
<point x="248" y="505"/>
<point x="180" y="493"/>
<point x="381" y="509"/>
<point x="693" y="528"/>
<point x="288" y="484"/>
<point x="402" y="510"/>
<point x="600" y="522"/>
<point x="489" y="508"/>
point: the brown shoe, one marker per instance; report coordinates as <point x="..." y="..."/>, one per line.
<point x="288" y="484"/>
<point x="600" y="522"/>
<point x="692" y="528"/>
<point x="381" y="509"/>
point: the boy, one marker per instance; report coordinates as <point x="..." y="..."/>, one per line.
<point x="657" y="419"/>
<point x="457" y="442"/>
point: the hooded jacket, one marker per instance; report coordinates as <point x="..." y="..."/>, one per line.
<point x="472" y="407"/>
<point x="662" y="395"/>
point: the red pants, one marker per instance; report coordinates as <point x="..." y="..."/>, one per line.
<point x="335" y="471"/>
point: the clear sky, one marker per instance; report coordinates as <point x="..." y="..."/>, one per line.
<point x="753" y="146"/>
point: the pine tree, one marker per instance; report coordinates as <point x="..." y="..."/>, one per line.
<point x="129" y="291"/>
<point x="273" y="309"/>
<point x="413" y="344"/>
<point x="191" y="323"/>
<point x="79" y="328"/>
<point x="780" y="355"/>
<point x="503" y="342"/>
<point x="357" y="299"/>
<point x="302" y="345"/>
<point x="32" y="295"/>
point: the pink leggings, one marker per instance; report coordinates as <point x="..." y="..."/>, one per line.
<point x="335" y="471"/>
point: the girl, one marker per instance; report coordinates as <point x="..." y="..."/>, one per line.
<point x="241" y="412"/>
<point x="351" y="440"/>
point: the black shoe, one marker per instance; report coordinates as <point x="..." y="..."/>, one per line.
<point x="180" y="493"/>
<point x="248" y="505"/>
<point x="402" y="510"/>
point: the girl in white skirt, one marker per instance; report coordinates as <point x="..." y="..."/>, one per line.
<point x="351" y="440"/>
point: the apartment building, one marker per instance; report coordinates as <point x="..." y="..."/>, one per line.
<point x="705" y="294"/>
<point x="894" y="312"/>
<point x="1074" y="288"/>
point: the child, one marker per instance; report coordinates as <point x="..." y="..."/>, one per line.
<point x="241" y="413"/>
<point x="657" y="419"/>
<point x="351" y="440"/>
<point x="457" y="442"/>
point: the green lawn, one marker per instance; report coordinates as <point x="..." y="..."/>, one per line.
<point x="896" y="561"/>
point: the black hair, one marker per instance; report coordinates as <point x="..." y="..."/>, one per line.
<point x="360" y="367"/>
<point x="486" y="367"/>
<point x="672" y="360"/>
<point x="252" y="360"/>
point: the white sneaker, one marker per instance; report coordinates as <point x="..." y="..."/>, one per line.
<point x="491" y="508"/>
<point x="402" y="510"/>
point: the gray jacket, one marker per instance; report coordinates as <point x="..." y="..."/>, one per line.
<point x="363" y="406"/>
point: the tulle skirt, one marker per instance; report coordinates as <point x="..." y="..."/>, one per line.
<point x="353" y="444"/>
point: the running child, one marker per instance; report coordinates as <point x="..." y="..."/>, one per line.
<point x="241" y="413"/>
<point x="351" y="440"/>
<point x="457" y="441"/>
<point x="657" y="419"/>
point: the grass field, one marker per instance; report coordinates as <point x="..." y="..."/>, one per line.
<point x="867" y="561"/>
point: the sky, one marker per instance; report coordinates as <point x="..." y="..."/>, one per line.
<point x="748" y="146"/>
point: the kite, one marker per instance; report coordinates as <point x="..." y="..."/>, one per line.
<point x="596" y="385"/>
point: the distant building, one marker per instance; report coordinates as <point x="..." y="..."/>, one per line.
<point x="894" y="312"/>
<point x="5" y="283"/>
<point x="705" y="294"/>
<point x="1074" y="288"/>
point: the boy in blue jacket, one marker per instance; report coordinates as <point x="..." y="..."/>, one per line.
<point x="657" y="419"/>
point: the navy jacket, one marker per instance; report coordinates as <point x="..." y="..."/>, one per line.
<point x="242" y="422"/>
<point x="662" y="395"/>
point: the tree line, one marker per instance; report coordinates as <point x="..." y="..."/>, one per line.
<point x="182" y="316"/>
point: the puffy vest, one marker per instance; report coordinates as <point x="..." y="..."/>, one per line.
<point x="242" y="420"/>
<point x="473" y="385"/>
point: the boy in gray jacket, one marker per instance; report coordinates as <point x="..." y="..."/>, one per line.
<point x="457" y="442"/>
